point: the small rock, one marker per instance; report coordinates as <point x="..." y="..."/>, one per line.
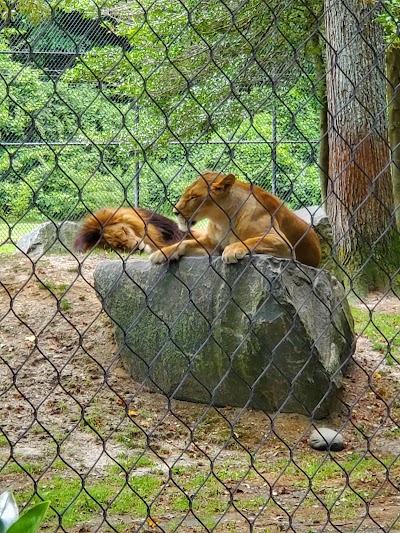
<point x="325" y="438"/>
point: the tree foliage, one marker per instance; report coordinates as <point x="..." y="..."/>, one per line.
<point x="215" y="67"/>
<point x="389" y="17"/>
<point x="185" y="74"/>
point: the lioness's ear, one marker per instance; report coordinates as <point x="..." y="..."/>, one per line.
<point x="223" y="183"/>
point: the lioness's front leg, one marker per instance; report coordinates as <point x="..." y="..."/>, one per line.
<point x="202" y="245"/>
<point x="272" y="244"/>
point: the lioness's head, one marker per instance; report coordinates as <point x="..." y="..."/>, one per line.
<point x="202" y="197"/>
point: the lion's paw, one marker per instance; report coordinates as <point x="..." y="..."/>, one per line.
<point x="157" y="258"/>
<point x="165" y="254"/>
<point x="140" y="244"/>
<point x="233" y="253"/>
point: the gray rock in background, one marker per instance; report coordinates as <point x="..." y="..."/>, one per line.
<point x="316" y="216"/>
<point x="313" y="214"/>
<point x="268" y="333"/>
<point x="49" y="237"/>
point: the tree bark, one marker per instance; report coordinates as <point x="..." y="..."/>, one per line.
<point x="323" y="158"/>
<point x="360" y="193"/>
<point x="393" y="75"/>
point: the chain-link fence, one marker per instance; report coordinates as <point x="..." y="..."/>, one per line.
<point x="169" y="393"/>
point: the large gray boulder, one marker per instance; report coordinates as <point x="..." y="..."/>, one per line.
<point x="49" y="237"/>
<point x="268" y="333"/>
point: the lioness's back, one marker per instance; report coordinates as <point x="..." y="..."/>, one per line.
<point x="300" y="234"/>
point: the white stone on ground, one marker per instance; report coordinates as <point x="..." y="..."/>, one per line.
<point x="325" y="438"/>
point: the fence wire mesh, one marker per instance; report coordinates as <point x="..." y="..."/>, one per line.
<point x="166" y="394"/>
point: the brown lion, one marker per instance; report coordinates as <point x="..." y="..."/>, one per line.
<point x="127" y="229"/>
<point x="242" y="219"/>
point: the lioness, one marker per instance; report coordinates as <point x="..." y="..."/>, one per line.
<point x="242" y="219"/>
<point x="127" y="229"/>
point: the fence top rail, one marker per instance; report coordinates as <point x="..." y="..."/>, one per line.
<point x="118" y="143"/>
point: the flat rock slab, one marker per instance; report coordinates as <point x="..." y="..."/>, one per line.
<point x="49" y="237"/>
<point x="268" y="333"/>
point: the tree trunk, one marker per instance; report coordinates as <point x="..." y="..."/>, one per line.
<point x="323" y="158"/>
<point x="393" y="75"/>
<point x="360" y="193"/>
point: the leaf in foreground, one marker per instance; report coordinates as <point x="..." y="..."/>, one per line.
<point x="30" y="521"/>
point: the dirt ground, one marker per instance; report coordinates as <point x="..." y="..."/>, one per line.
<point x="65" y="394"/>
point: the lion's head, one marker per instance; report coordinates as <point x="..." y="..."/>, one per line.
<point x="202" y="197"/>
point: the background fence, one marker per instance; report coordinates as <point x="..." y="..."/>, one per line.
<point x="123" y="104"/>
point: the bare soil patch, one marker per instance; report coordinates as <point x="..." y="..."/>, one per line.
<point x="69" y="408"/>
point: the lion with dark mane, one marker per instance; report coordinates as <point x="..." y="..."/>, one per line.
<point x="127" y="229"/>
<point x="242" y="219"/>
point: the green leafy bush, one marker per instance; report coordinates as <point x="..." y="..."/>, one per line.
<point x="90" y="141"/>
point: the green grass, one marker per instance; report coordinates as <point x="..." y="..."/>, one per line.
<point x="354" y="465"/>
<point x="7" y="248"/>
<point x="58" y="289"/>
<point x="129" y="461"/>
<point x="78" y="500"/>
<point x="382" y="329"/>
<point x="131" y="437"/>
<point x="110" y="493"/>
<point x="30" y="468"/>
<point x="65" y="305"/>
<point x="83" y="499"/>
